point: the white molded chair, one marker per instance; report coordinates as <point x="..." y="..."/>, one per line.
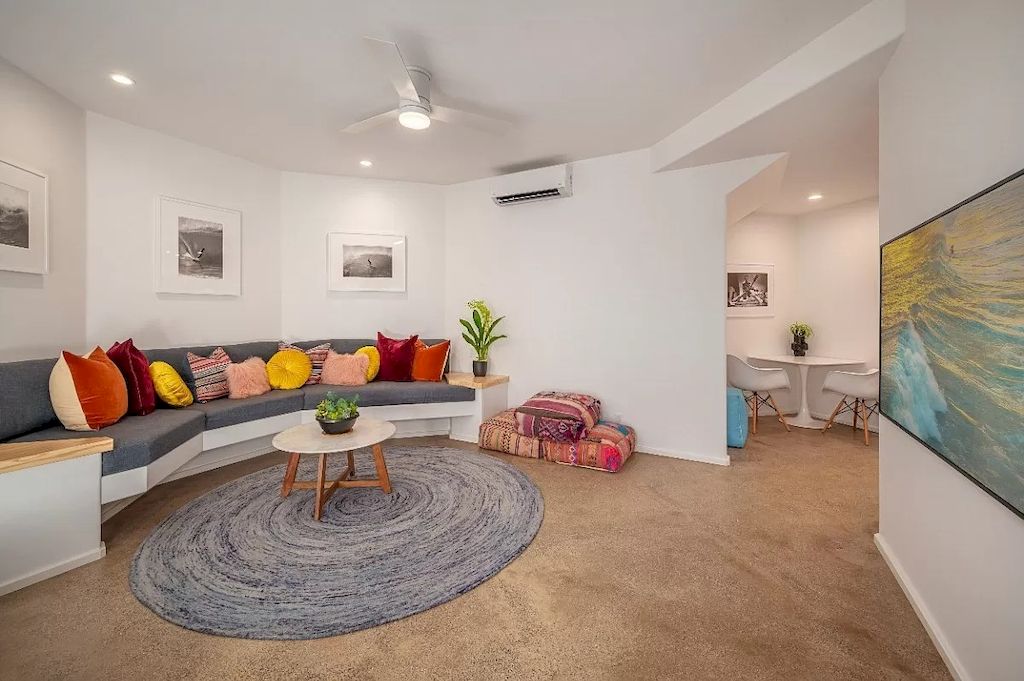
<point x="862" y="387"/>
<point x="759" y="383"/>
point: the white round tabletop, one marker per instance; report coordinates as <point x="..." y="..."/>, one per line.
<point x="310" y="439"/>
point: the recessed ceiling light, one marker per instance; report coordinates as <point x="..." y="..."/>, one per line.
<point x="415" y="120"/>
<point x="815" y="197"/>
<point x="121" y="79"/>
<point x="366" y="163"/>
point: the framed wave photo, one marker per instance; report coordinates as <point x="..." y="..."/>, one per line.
<point x="199" y="248"/>
<point x="365" y="262"/>
<point x="952" y="337"/>
<point x="23" y="220"/>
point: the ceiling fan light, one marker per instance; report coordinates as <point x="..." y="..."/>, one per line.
<point x="414" y="120"/>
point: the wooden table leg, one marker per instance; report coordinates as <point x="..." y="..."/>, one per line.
<point x="382" y="469"/>
<point x="289" y="475"/>
<point x="321" y="475"/>
<point x="351" y="466"/>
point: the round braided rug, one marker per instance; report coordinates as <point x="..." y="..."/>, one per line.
<point x="241" y="561"/>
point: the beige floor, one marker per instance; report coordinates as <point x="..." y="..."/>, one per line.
<point x="676" y="570"/>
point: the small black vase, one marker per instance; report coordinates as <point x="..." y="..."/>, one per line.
<point x="799" y="345"/>
<point x="479" y="368"/>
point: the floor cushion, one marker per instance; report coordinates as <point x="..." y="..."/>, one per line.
<point x="736" y="418"/>
<point x="499" y="434"/>
<point x="557" y="415"/>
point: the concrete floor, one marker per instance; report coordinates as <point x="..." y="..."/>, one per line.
<point x="763" y="570"/>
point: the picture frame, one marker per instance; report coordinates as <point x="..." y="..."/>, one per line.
<point x="949" y="294"/>
<point x="366" y="262"/>
<point x="24" y="219"/>
<point x="750" y="290"/>
<point x="198" y="248"/>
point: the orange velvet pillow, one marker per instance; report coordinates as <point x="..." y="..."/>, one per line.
<point x="428" y="363"/>
<point x="87" y="393"/>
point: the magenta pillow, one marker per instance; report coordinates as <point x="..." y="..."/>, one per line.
<point x="134" y="366"/>
<point x="247" y="379"/>
<point x="396" y="357"/>
<point x="344" y="369"/>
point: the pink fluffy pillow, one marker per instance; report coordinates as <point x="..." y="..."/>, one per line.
<point x="344" y="369"/>
<point x="247" y="379"/>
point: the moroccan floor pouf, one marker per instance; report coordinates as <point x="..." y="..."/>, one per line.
<point x="605" y="447"/>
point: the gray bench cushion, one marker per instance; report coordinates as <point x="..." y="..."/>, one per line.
<point x="138" y="440"/>
<point x="228" y="412"/>
<point x="380" y="393"/>
<point x="25" y="396"/>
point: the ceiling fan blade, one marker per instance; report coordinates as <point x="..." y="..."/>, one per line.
<point x="371" y="122"/>
<point x="447" y="114"/>
<point x="389" y="57"/>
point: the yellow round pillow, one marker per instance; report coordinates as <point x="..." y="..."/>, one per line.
<point x="289" y="369"/>
<point x="373" y="366"/>
<point x="169" y="386"/>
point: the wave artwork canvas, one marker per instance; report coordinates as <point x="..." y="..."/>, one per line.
<point x="952" y="337"/>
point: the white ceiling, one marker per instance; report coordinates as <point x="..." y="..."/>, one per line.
<point x="274" y="82"/>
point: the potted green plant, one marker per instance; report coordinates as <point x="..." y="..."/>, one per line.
<point x="336" y="415"/>
<point x="801" y="332"/>
<point x="479" y="333"/>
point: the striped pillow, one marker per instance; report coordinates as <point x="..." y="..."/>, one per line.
<point x="209" y="378"/>
<point x="317" y="355"/>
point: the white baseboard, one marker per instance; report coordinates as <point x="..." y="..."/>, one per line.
<point x="716" y="459"/>
<point x="53" y="570"/>
<point x="109" y="510"/>
<point x="923" y="613"/>
<point x="223" y="456"/>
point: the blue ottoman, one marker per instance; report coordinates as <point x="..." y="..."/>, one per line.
<point x="735" y="418"/>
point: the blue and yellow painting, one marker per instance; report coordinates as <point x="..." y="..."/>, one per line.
<point x="953" y="338"/>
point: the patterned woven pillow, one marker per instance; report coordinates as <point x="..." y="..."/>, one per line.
<point x="558" y="416"/>
<point x="317" y="354"/>
<point x="208" y="374"/>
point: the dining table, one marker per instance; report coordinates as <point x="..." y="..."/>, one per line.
<point x="803" y="418"/>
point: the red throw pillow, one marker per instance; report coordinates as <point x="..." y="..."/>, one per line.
<point x="396" y="357"/>
<point x="428" y="364"/>
<point x="134" y="366"/>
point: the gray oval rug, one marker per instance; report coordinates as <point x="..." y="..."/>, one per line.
<point x="241" y="561"/>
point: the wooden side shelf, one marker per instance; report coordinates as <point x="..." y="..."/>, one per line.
<point x="18" y="455"/>
<point x="470" y="381"/>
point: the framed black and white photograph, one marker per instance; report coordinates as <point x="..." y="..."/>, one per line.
<point x="749" y="290"/>
<point x="365" y="262"/>
<point x="23" y="220"/>
<point x="199" y="248"/>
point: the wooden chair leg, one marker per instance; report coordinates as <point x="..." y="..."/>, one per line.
<point x="382" y="469"/>
<point x="864" y="406"/>
<point x="289" y="475"/>
<point x="779" y="413"/>
<point x="753" y="425"/>
<point x="856" y="413"/>
<point x="835" y="412"/>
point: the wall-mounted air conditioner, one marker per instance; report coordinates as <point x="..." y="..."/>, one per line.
<point x="533" y="185"/>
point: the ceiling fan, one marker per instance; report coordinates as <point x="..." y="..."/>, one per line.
<point x="415" y="110"/>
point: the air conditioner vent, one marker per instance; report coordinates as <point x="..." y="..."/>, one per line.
<point x="533" y="185"/>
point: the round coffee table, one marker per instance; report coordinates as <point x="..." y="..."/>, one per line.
<point x="310" y="439"/>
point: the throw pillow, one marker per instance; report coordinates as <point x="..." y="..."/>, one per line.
<point x="247" y="379"/>
<point x="428" y="363"/>
<point x="88" y="392"/>
<point x="345" y="369"/>
<point x="374" y="365"/>
<point x="169" y="386"/>
<point x="289" y="369"/>
<point x="135" y="368"/>
<point x="396" y="357"/>
<point x="208" y="377"/>
<point x="317" y="354"/>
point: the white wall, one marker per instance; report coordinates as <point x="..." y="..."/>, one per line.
<point x="952" y="102"/>
<point x="42" y="314"/>
<point x="128" y="169"/>
<point x="314" y="205"/>
<point x="616" y="291"/>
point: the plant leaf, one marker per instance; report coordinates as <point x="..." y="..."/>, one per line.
<point x="471" y="330"/>
<point x="470" y="341"/>
<point x="478" y="322"/>
<point x="490" y="340"/>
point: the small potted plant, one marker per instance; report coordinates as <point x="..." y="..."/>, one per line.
<point x="336" y="415"/>
<point x="479" y="333"/>
<point x="801" y="332"/>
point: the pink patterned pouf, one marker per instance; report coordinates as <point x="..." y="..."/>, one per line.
<point x="606" y="446"/>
